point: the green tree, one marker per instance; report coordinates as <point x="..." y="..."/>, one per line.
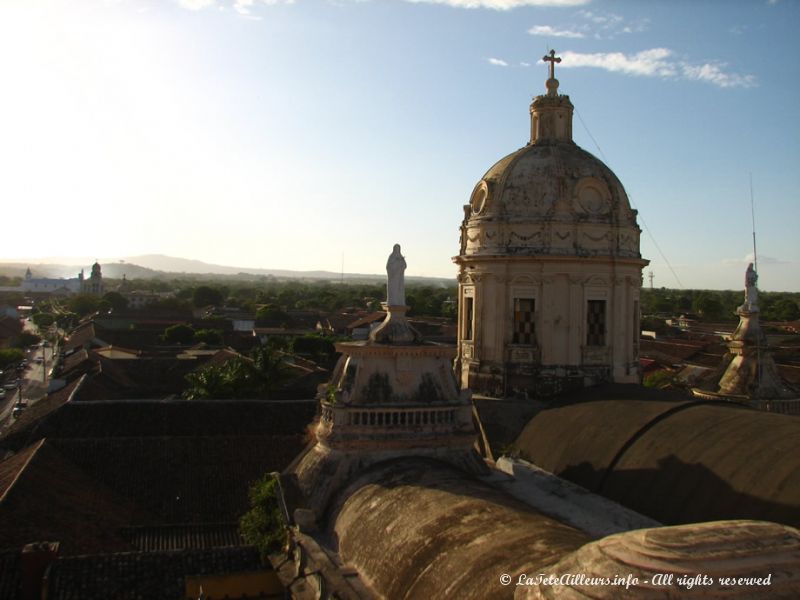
<point x="655" y="324"/>
<point x="785" y="309"/>
<point x="83" y="304"/>
<point x="239" y="378"/>
<point x="205" y="295"/>
<point x="179" y="334"/>
<point x="313" y="346"/>
<point x="708" y="307"/>
<point x="212" y="337"/>
<point x="661" y="380"/>
<point x="271" y="369"/>
<point x="117" y="301"/>
<point x="169" y="305"/>
<point x="264" y="525"/>
<point x="43" y="320"/>
<point x="206" y="384"/>
<point x="450" y="308"/>
<point x="272" y="313"/>
<point x="67" y="320"/>
<point x="10" y="356"/>
<point x="25" y="340"/>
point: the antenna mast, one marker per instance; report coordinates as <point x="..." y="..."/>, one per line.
<point x="753" y="218"/>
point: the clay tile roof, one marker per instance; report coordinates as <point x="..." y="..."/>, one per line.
<point x="670" y="350"/>
<point x="49" y="498"/>
<point x="75" y="360"/>
<point x="154" y="418"/>
<point x="10" y="560"/>
<point x="9" y="327"/>
<point x="221" y="357"/>
<point x="184" y="479"/>
<point x="158" y="538"/>
<point x="11" y="467"/>
<point x="19" y="432"/>
<point x="80" y="336"/>
<point x="143" y="574"/>
<point x="370" y="318"/>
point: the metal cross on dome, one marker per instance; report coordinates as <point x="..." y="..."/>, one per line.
<point x="552" y="59"/>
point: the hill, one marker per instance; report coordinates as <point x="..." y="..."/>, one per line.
<point x="150" y="266"/>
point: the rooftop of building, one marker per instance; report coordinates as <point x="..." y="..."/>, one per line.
<point x="713" y="460"/>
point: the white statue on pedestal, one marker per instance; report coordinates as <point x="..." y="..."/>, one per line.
<point x="395" y="272"/>
<point x="750" y="290"/>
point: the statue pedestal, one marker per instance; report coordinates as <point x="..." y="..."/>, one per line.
<point x="395" y="329"/>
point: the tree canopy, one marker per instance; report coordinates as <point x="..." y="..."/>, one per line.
<point x="205" y="295"/>
<point x="257" y="377"/>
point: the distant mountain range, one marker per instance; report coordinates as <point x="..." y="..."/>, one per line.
<point x="161" y="266"/>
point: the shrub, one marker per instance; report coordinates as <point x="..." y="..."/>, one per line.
<point x="264" y="525"/>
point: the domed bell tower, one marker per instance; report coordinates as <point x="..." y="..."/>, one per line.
<point x="549" y="267"/>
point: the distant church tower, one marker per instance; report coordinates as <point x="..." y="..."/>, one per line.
<point x="549" y="267"/>
<point x="93" y="285"/>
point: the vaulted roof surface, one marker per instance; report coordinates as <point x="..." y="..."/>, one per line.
<point x="417" y="528"/>
<point x="677" y="462"/>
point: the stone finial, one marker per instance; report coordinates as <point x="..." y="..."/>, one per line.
<point x="551" y="114"/>
<point x="552" y="83"/>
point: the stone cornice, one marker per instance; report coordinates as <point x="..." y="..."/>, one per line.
<point x="542" y="258"/>
<point x="368" y="349"/>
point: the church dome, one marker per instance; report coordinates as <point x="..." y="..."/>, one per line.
<point x="550" y="197"/>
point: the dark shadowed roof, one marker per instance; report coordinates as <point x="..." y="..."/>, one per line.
<point x="20" y="432"/>
<point x="79" y="358"/>
<point x="417" y="528"/>
<point x="160" y="418"/>
<point x="183" y="479"/>
<point x="138" y="575"/>
<point x="80" y="336"/>
<point x="46" y="497"/>
<point x="10" y="573"/>
<point x="158" y="538"/>
<point x="9" y="327"/>
<point x="677" y="462"/>
<point x="180" y="463"/>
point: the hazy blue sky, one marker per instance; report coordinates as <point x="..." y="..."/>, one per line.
<point x="284" y="135"/>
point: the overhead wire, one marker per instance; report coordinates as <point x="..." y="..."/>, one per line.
<point x="641" y="217"/>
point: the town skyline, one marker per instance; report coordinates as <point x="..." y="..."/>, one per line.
<point x="300" y="136"/>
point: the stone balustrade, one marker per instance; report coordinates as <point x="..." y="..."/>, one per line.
<point x="400" y="417"/>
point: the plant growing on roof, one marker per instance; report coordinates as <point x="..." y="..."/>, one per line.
<point x="264" y="525"/>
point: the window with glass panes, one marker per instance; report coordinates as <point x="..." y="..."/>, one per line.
<point x="524" y="323"/>
<point x="596" y="323"/>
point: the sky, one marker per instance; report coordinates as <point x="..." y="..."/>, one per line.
<point x="310" y="134"/>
